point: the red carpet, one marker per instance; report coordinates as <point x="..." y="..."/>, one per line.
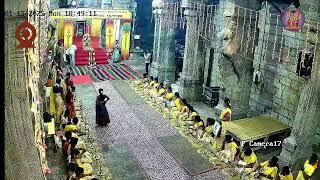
<point x="83" y="79"/>
<point x="101" y="56"/>
<point x="95" y="42"/>
<point x="82" y="57"/>
<point x="78" y="42"/>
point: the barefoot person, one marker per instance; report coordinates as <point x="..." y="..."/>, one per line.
<point x="102" y="115"/>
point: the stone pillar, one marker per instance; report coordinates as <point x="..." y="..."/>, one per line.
<point x="163" y="65"/>
<point x="21" y="155"/>
<point x="191" y="80"/>
<point x="234" y="73"/>
<point x="306" y="125"/>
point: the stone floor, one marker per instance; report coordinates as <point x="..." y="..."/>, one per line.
<point x="133" y="142"/>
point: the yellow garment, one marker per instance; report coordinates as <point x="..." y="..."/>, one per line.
<point x="199" y="124"/>
<point x="51" y="127"/>
<point x="52" y="103"/>
<point x="249" y="159"/>
<point x="161" y="91"/>
<point x="309" y="169"/>
<point x="156" y="85"/>
<point x="86" y="167"/>
<point x="81" y="145"/>
<point x="300" y="176"/>
<point x="269" y="171"/>
<point x="86" y="158"/>
<point x="287" y="177"/>
<point x="224" y="112"/>
<point x="178" y="103"/>
<point x="193" y="114"/>
<point x="74" y="135"/>
<point x="209" y="129"/>
<point x="169" y="96"/>
<point x="152" y="83"/>
<point x="231" y="146"/>
<point x="153" y="91"/>
<point x="70" y="127"/>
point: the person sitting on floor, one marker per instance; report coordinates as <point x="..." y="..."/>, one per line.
<point x="198" y="127"/>
<point x="71" y="168"/>
<point x="160" y="90"/>
<point x="309" y="167"/>
<point x="286" y="174"/>
<point x="154" y="89"/>
<point x="268" y="169"/>
<point x="229" y="151"/>
<point x="183" y="107"/>
<point x="208" y="131"/>
<point x="139" y="82"/>
<point x="152" y="82"/>
<point x="183" y="114"/>
<point x="72" y="126"/>
<point x="209" y="127"/>
<point x="174" y="105"/>
<point x="68" y="147"/>
<point x="248" y="162"/>
<point x="168" y="96"/>
<point x="83" y="160"/>
<point x="190" y="120"/>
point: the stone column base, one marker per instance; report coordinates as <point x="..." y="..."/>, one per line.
<point x="190" y="89"/>
<point x="164" y="73"/>
<point x="288" y="146"/>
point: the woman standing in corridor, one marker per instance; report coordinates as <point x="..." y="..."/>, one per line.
<point x="102" y="115"/>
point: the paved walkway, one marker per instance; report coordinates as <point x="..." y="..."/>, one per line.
<point x="131" y="142"/>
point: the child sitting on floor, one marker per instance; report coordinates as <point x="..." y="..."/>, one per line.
<point x="229" y="151"/>
<point x="198" y="127"/>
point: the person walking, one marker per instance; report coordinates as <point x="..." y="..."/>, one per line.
<point x="147" y="59"/>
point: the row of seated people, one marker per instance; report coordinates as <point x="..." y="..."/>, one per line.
<point x="246" y="163"/>
<point x="184" y="116"/>
<point x="64" y="123"/>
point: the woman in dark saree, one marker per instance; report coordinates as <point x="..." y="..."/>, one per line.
<point x="102" y="115"/>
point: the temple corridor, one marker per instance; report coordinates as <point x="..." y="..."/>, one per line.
<point x="139" y="143"/>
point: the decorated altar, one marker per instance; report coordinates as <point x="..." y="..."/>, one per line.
<point x="105" y="27"/>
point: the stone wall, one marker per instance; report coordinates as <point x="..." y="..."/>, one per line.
<point x="276" y="57"/>
<point x="24" y="152"/>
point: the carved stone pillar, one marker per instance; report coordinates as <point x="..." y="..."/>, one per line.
<point x="233" y="72"/>
<point x="191" y="80"/>
<point x="21" y="155"/>
<point x="163" y="65"/>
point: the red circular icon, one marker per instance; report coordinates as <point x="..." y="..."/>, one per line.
<point x="25" y="34"/>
